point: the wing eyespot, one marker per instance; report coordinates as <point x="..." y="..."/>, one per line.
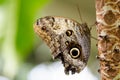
<point x="69" y="32"/>
<point x="43" y="28"/>
<point x="75" y="53"/>
<point x="67" y="43"/>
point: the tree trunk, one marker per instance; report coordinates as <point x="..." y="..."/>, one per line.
<point x="108" y="28"/>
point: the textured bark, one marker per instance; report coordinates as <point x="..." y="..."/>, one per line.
<point x="108" y="28"/>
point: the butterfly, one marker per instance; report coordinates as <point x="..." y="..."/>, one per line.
<point x="67" y="39"/>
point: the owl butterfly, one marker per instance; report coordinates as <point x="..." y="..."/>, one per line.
<point x="68" y="40"/>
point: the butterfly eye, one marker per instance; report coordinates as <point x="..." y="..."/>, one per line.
<point x="75" y="53"/>
<point x="69" y="32"/>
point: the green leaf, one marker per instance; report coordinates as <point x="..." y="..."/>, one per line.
<point x="25" y="34"/>
<point x="2" y="2"/>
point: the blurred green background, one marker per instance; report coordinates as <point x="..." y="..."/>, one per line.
<point x="20" y="48"/>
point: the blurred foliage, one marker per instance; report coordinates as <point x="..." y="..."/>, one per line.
<point x="17" y="36"/>
<point x="2" y="1"/>
<point x="25" y="36"/>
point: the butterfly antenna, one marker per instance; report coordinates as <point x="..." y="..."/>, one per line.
<point x="79" y="12"/>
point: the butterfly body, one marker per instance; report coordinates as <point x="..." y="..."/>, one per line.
<point x="68" y="40"/>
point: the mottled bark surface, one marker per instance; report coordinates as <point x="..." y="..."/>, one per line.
<point x="108" y="28"/>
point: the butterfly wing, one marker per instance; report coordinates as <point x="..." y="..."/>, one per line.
<point x="68" y="40"/>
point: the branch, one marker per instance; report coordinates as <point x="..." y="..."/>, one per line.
<point x="108" y="28"/>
